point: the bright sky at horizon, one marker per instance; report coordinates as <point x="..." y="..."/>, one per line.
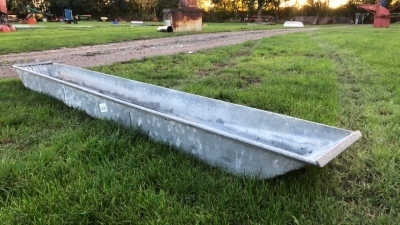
<point x="332" y="3"/>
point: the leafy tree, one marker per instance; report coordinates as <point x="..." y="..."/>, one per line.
<point x="165" y="4"/>
<point x="260" y="6"/>
<point x="318" y="6"/>
<point x="276" y="6"/>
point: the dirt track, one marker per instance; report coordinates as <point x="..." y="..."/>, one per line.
<point x="88" y="56"/>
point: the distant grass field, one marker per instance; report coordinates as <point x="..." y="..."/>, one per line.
<point x="54" y="35"/>
<point x="59" y="165"/>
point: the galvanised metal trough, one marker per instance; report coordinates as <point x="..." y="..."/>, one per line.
<point x="239" y="139"/>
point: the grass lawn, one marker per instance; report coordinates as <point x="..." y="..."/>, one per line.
<point x="59" y="165"/>
<point x="54" y="35"/>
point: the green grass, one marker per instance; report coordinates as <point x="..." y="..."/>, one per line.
<point x="60" y="166"/>
<point x="265" y="75"/>
<point x="54" y="35"/>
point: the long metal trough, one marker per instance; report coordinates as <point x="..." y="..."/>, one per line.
<point x="239" y="139"/>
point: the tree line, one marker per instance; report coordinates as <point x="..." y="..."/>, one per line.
<point x="213" y="10"/>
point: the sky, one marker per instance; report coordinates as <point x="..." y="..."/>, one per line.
<point x="332" y="3"/>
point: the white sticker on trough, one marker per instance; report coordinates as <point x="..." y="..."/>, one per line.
<point x="103" y="107"/>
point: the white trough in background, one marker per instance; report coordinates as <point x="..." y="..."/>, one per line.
<point x="293" y="24"/>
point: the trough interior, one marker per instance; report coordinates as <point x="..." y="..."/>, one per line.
<point x="286" y="133"/>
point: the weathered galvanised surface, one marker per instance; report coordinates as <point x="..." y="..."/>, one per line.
<point x="239" y="139"/>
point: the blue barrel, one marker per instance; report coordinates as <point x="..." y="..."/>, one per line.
<point x="68" y="15"/>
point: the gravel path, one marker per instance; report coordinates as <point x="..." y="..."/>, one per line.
<point x="89" y="56"/>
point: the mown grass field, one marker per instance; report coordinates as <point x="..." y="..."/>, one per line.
<point x="59" y="165"/>
<point x="55" y="35"/>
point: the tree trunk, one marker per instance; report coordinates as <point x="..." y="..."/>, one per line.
<point x="277" y="14"/>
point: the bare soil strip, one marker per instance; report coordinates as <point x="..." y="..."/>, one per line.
<point x="88" y="56"/>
